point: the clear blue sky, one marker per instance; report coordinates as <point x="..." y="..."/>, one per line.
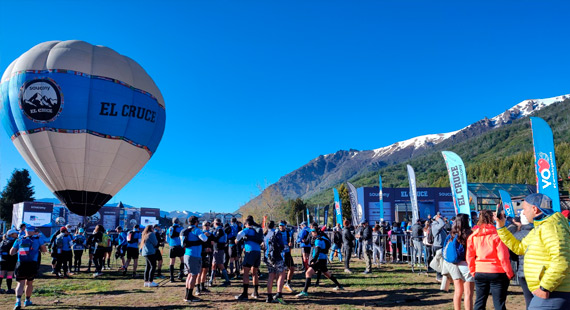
<point x="256" y="89"/>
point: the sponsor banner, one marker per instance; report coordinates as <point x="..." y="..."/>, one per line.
<point x="545" y="161"/>
<point x="37" y="219"/>
<point x="458" y="181"/>
<point x="413" y="195"/>
<point x="308" y="217"/>
<point x="326" y="215"/>
<point x="317" y="215"/>
<point x="507" y="203"/>
<point x="337" y="208"/>
<point x="356" y="208"/>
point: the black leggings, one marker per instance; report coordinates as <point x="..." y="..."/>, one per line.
<point x="150" y="268"/>
<point x="98" y="259"/>
<point x="64" y="258"/>
<point x="495" y="283"/>
<point x="77" y="258"/>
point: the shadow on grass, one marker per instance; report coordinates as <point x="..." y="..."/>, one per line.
<point x="118" y="292"/>
<point x="393" y="298"/>
<point x="62" y="306"/>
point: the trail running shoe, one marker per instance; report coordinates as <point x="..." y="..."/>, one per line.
<point x="193" y="299"/>
<point x="254" y="295"/>
<point x="338" y="288"/>
<point x="152" y="284"/>
<point x="302" y="294"/>
<point x="279" y="300"/>
<point x="18" y="305"/>
<point x="288" y="288"/>
<point x="28" y="303"/>
<point x="241" y="297"/>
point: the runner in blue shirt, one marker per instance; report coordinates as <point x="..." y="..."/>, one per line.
<point x="26" y="270"/>
<point x="133" y="241"/>
<point x="176" y="249"/>
<point x="64" y="253"/>
<point x="121" y="249"/>
<point x="288" y="259"/>
<point x="318" y="260"/>
<point x="79" y="242"/>
<point x="7" y="261"/>
<point x="192" y="238"/>
<point x="304" y="239"/>
<point x="253" y="236"/>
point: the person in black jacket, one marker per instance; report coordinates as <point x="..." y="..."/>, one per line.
<point x="348" y="245"/>
<point x="417" y="238"/>
<point x="367" y="245"/>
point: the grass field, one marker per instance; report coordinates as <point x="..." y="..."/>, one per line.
<point x="391" y="286"/>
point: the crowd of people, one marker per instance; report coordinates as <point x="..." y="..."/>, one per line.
<point x="479" y="253"/>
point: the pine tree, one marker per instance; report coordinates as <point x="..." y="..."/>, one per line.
<point x="17" y="190"/>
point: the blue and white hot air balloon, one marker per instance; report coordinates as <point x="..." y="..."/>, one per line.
<point x="85" y="118"/>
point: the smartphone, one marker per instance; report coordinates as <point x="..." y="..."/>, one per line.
<point x="500" y="211"/>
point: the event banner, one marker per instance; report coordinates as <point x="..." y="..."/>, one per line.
<point x="337" y="208"/>
<point x="545" y="161"/>
<point x="308" y="217"/>
<point x="354" y="206"/>
<point x="381" y="197"/>
<point x="326" y="215"/>
<point x="317" y="218"/>
<point x="507" y="203"/>
<point x="458" y="181"/>
<point x="413" y="194"/>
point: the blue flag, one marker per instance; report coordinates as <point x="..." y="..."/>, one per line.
<point x="458" y="182"/>
<point x="337" y="208"/>
<point x="326" y="215"/>
<point x="545" y="161"/>
<point x="507" y="203"/>
<point x="308" y="217"/>
<point x="381" y="197"/>
<point x="413" y="194"/>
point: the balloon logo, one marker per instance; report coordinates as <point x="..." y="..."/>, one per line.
<point x="85" y="118"/>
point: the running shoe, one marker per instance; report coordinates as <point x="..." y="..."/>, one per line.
<point x="10" y="292"/>
<point x="269" y="300"/>
<point x="347" y="271"/>
<point x="2" y="291"/>
<point x="18" y="305"/>
<point x="241" y="297"/>
<point x="338" y="288"/>
<point x="28" y="303"/>
<point x="254" y="295"/>
<point x="145" y="284"/>
<point x="366" y="272"/>
<point x="193" y="299"/>
<point x="152" y="284"/>
<point x="279" y="300"/>
<point x="288" y="288"/>
<point x="205" y="290"/>
<point x="302" y="294"/>
<point x="226" y="283"/>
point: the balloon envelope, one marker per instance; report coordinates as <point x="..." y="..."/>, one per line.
<point x="85" y="118"/>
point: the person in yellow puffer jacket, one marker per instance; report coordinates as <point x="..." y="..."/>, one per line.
<point x="546" y="252"/>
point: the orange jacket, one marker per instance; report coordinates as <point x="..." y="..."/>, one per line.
<point x="487" y="253"/>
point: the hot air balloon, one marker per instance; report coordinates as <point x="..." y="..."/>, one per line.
<point x="85" y="118"/>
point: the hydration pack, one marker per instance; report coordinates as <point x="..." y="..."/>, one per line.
<point x="274" y="247"/>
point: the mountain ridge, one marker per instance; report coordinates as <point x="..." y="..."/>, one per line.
<point x="326" y="171"/>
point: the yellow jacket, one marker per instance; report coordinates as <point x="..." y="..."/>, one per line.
<point x="546" y="251"/>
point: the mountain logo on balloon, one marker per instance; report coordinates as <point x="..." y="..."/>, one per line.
<point x="41" y="100"/>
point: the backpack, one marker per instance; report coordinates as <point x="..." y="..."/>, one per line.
<point x="274" y="247"/>
<point x="258" y="237"/>
<point x="453" y="250"/>
<point x="307" y="237"/>
<point x="327" y="244"/>
<point x="174" y="233"/>
<point x="131" y="238"/>
<point x="337" y="237"/>
<point x="186" y="234"/>
<point x="105" y="241"/>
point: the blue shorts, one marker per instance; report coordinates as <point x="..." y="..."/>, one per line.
<point x="252" y="259"/>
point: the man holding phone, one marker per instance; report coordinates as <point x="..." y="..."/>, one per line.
<point x="547" y="252"/>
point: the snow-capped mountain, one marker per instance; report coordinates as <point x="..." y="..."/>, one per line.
<point x="328" y="170"/>
<point x="179" y="214"/>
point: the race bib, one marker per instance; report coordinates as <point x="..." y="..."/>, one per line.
<point x="24" y="251"/>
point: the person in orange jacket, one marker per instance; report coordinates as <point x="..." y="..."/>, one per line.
<point x="488" y="260"/>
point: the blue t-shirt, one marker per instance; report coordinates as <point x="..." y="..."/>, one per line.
<point x="250" y="245"/>
<point x="320" y="245"/>
<point x="302" y="235"/>
<point x="28" y="249"/>
<point x="122" y="238"/>
<point x="174" y="231"/>
<point x="135" y="239"/>
<point x="194" y="235"/>
<point x="79" y="242"/>
<point x="66" y="244"/>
